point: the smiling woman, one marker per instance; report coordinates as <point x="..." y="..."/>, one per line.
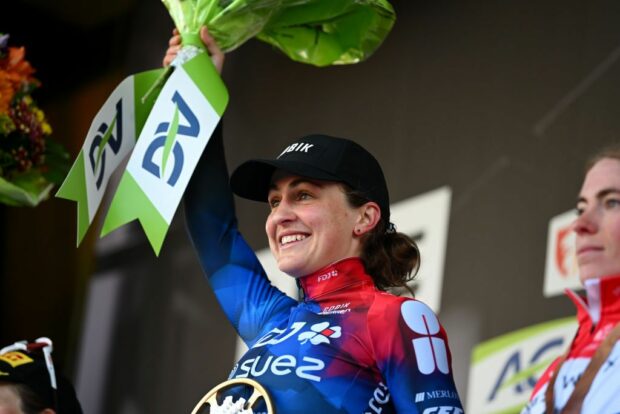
<point x="301" y="236"/>
<point x="349" y="346"/>
<point x="586" y="379"/>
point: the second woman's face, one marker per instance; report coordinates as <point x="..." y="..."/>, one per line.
<point x="310" y="225"/>
<point x="598" y="225"/>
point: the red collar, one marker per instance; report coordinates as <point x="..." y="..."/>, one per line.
<point x="601" y="303"/>
<point x="337" y="276"/>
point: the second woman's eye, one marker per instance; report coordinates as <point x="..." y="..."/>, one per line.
<point x="579" y="209"/>
<point x="612" y="202"/>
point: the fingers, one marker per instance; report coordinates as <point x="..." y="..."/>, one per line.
<point x="171" y="54"/>
<point x="217" y="56"/>
<point x="175" y="40"/>
<point x="174" y="45"/>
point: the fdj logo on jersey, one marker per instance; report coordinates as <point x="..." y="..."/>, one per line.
<point x="166" y="133"/>
<point x="105" y="136"/>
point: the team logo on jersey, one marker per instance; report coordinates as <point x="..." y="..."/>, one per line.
<point x="320" y="333"/>
<point x="430" y="349"/>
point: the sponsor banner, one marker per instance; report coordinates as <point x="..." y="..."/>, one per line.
<point x="561" y="269"/>
<point x="110" y="138"/>
<point x="504" y="370"/>
<point x="174" y="136"/>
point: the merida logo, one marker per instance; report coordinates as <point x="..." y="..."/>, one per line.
<point x="296" y="147"/>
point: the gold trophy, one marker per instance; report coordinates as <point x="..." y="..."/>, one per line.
<point x="241" y="406"/>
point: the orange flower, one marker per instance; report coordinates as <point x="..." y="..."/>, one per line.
<point x="18" y="65"/>
<point x="15" y="70"/>
<point x="6" y="92"/>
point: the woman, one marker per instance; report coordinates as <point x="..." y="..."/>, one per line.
<point x="29" y="383"/>
<point x="348" y="346"/>
<point x="587" y="378"/>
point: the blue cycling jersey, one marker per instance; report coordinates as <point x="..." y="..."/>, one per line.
<point x="347" y="347"/>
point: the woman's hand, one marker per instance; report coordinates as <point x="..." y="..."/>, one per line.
<point x="174" y="45"/>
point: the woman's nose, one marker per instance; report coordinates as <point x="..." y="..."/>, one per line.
<point x="586" y="222"/>
<point x="282" y="213"/>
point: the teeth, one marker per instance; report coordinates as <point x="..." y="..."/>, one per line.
<point x="292" y="238"/>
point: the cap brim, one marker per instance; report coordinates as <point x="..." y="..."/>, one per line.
<point x="252" y="179"/>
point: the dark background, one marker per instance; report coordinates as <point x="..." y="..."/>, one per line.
<point x="500" y="100"/>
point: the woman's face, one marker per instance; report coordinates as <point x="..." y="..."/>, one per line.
<point x="10" y="403"/>
<point x="311" y="225"/>
<point x="598" y="225"/>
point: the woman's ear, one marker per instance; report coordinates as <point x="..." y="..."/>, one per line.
<point x="369" y="216"/>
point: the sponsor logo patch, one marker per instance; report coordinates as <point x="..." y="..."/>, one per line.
<point x="320" y="333"/>
<point x="15" y="358"/>
<point x="432" y="395"/>
<point x="326" y="276"/>
<point x="281" y="365"/>
<point x="340" y="308"/>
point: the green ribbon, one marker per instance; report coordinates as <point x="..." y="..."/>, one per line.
<point x="83" y="187"/>
<point x="138" y="192"/>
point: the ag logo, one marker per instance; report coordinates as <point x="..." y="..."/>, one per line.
<point x="320" y="333"/>
<point x="523" y="379"/>
<point x="166" y="134"/>
<point x="103" y="137"/>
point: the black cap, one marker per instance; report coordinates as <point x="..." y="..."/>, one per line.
<point x="27" y="366"/>
<point x="320" y="157"/>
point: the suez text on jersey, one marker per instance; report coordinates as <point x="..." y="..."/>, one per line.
<point x="281" y="365"/>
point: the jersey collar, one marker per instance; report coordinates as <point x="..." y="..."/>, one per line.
<point x="601" y="302"/>
<point x="337" y="276"/>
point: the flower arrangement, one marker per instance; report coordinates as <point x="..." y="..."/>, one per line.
<point x="31" y="163"/>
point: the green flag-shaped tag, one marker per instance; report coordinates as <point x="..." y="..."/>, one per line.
<point x="176" y="132"/>
<point x="111" y="137"/>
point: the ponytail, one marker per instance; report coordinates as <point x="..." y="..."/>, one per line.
<point x="390" y="257"/>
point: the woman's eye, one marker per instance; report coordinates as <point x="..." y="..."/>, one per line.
<point x="612" y="202"/>
<point x="303" y="196"/>
<point x="273" y="203"/>
<point x="579" y="210"/>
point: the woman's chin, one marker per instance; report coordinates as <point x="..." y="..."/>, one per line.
<point x="291" y="269"/>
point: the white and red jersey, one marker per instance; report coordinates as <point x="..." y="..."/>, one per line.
<point x="597" y="313"/>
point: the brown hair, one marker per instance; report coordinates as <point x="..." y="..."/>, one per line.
<point x="391" y="258"/>
<point x="611" y="151"/>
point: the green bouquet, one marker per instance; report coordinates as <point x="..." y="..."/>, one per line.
<point x="163" y="119"/>
<point x="317" y="32"/>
